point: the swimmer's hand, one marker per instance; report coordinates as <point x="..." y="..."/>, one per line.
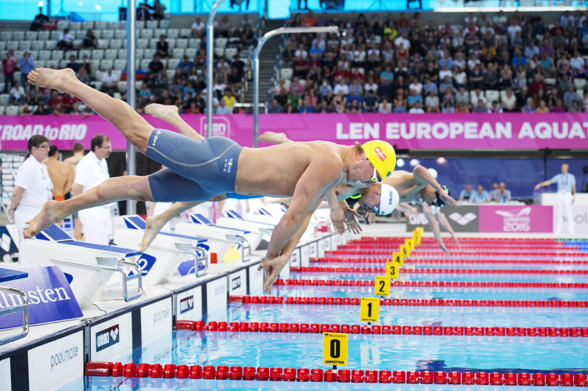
<point x="444" y="249"/>
<point x="370" y="217"/>
<point x="448" y="200"/>
<point x="338" y="220"/>
<point x="351" y="221"/>
<point x="272" y="267"/>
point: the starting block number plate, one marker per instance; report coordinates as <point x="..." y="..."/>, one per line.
<point x="382" y="284"/>
<point x="334" y="349"/>
<point x="398" y="259"/>
<point x="392" y="269"/>
<point x="370" y="309"/>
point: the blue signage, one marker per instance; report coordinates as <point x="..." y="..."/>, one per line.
<point x="49" y="294"/>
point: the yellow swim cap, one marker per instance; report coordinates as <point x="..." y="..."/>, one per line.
<point x="382" y="156"/>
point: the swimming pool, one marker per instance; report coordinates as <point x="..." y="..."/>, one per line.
<point x="476" y="323"/>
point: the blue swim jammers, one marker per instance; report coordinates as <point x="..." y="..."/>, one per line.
<point x="197" y="170"/>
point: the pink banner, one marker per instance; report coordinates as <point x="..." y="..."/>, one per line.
<point x="406" y="131"/>
<point x="525" y="218"/>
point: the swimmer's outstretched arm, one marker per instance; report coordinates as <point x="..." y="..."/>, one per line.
<point x="445" y="224"/>
<point x="274" y="138"/>
<point x="428" y="211"/>
<point x="170" y="115"/>
<point x="422" y="176"/>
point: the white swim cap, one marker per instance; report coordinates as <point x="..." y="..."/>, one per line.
<point x="389" y="199"/>
<point x="433" y="172"/>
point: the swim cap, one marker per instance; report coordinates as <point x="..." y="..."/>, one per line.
<point x="382" y="156"/>
<point x="389" y="199"/>
<point x="433" y="172"/>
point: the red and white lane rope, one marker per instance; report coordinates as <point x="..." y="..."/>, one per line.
<point x="437" y="284"/>
<point x="410" y="302"/>
<point x="317" y="269"/>
<point x="314" y="328"/>
<point x="240" y="373"/>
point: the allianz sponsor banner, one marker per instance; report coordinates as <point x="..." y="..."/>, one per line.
<point x="412" y="131"/>
<point x="49" y="294"/>
<point x="512" y="219"/>
<point x="463" y="219"/>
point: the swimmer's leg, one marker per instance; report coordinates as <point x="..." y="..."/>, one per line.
<point x="111" y="190"/>
<point x="117" y="112"/>
<point x="170" y="115"/>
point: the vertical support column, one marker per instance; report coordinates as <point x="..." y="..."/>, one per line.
<point x="131" y="91"/>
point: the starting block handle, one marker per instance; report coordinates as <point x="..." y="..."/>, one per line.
<point x="200" y="256"/>
<point x="25" y="314"/>
<point x="138" y="275"/>
<point x="245" y="247"/>
<point x="116" y="269"/>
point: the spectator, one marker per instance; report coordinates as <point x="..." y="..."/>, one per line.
<point x="466" y="194"/>
<point x="417" y="109"/>
<point x="223" y="109"/>
<point x="502" y="195"/>
<point x="477" y="96"/>
<point x="65" y="41"/>
<point x="162" y="47"/>
<point x="198" y="28"/>
<point x="448" y="107"/>
<point x="185" y="66"/>
<point x="275" y="108"/>
<point x="9" y="65"/>
<point x="559" y="107"/>
<point x="575" y="107"/>
<point x="155" y="66"/>
<point x="462" y="97"/>
<point x="528" y="107"/>
<point x="370" y="102"/>
<point x="413" y="99"/>
<point x="462" y="107"/>
<point x="432" y="102"/>
<point x="73" y="64"/>
<point x="480" y="196"/>
<point x="542" y="107"/>
<point x="144" y="11"/>
<point x="307" y="107"/>
<point x="26" y="65"/>
<point x="339" y="102"/>
<point x="25" y="111"/>
<point x="89" y="41"/>
<point x="495" y="108"/>
<point x="17" y="94"/>
<point x="229" y="98"/>
<point x="570" y="96"/>
<point x="385" y="107"/>
<point x="294" y="102"/>
<point x="158" y="10"/>
<point x="480" y="107"/>
<point x="509" y="102"/>
<point x="40" y="21"/>
<point x="109" y="82"/>
<point x="399" y="107"/>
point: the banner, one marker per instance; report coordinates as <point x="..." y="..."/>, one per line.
<point x="49" y="294"/>
<point x="463" y="219"/>
<point x="525" y="219"/>
<point x="405" y="131"/>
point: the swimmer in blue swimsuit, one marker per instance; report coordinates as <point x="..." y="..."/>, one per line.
<point x="306" y="171"/>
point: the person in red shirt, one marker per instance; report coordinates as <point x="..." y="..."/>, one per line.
<point x="309" y="20"/>
<point x="8" y="68"/>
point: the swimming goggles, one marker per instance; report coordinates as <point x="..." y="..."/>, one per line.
<point x="438" y="201"/>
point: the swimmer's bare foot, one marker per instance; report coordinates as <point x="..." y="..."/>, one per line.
<point x="153" y="226"/>
<point x="62" y="79"/>
<point x="274" y="138"/>
<point x="43" y="220"/>
<point x="163" y="112"/>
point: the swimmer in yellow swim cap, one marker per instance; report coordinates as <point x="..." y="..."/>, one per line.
<point x="382" y="156"/>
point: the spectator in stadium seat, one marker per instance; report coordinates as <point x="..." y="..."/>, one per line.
<point x="413" y="99"/>
<point x="385" y="107"/>
<point x="445" y="85"/>
<point x="432" y="102"/>
<point x="448" y="107"/>
<point x="65" y="41"/>
<point x="17" y="94"/>
<point x="294" y="102"/>
<point x="417" y="108"/>
<point x="307" y="107"/>
<point x="198" y="28"/>
<point x="570" y="96"/>
<point x="26" y="64"/>
<point x="309" y="20"/>
<point x="73" y="64"/>
<point x="430" y="86"/>
<point x="399" y="107"/>
<point x="577" y="65"/>
<point x="559" y="106"/>
<point x="109" y="82"/>
<point x="462" y="96"/>
<point x="9" y="65"/>
<point x="162" y="47"/>
<point x="542" y="107"/>
<point x="275" y="107"/>
<point x="229" y="98"/>
<point x="575" y="107"/>
<point x="370" y="102"/>
<point x="490" y="76"/>
<point x="158" y="10"/>
<point x="89" y="41"/>
<point x="460" y="78"/>
<point x="495" y="108"/>
<point x="223" y="108"/>
<point x="462" y="107"/>
<point x="385" y="89"/>
<point x="354" y="94"/>
<point x="480" y="107"/>
<point x="528" y="106"/>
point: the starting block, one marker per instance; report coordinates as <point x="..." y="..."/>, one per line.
<point x="256" y="228"/>
<point x="230" y="244"/>
<point x="87" y="266"/>
<point x="166" y="252"/>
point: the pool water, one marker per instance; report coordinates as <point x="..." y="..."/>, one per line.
<point x="391" y="352"/>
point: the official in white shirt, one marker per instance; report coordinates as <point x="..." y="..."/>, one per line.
<point x="33" y="185"/>
<point x="91" y="171"/>
<point x="566" y="192"/>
